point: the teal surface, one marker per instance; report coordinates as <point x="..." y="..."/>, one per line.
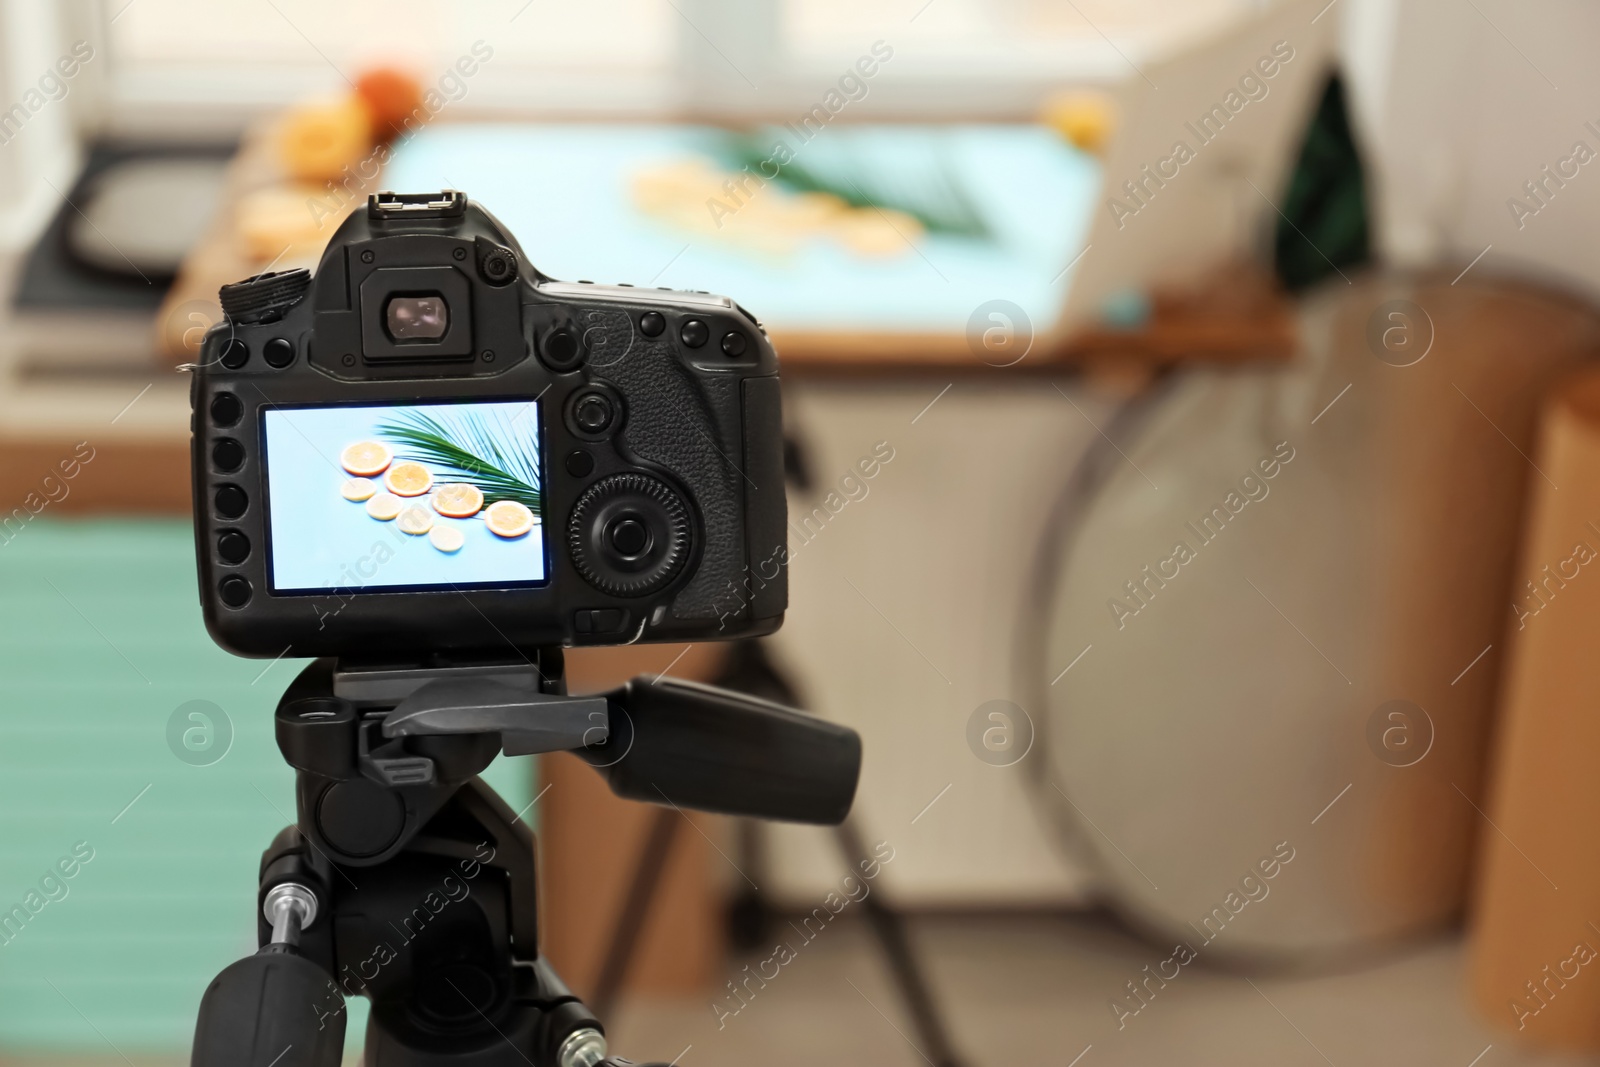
<point x="100" y="642"/>
<point x="564" y="192"/>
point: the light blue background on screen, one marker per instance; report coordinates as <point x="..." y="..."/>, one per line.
<point x="320" y="540"/>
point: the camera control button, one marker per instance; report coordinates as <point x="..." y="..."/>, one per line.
<point x="651" y="323"/>
<point x="580" y="464"/>
<point x="232" y="547"/>
<point x="561" y="350"/>
<point x="227" y="455"/>
<point x="593" y="413"/>
<point x="278" y="352"/>
<point x="235" y="590"/>
<point x="629" y="536"/>
<point x="226" y="409"/>
<point x="231" y="501"/>
<point x="694" y="333"/>
<point x="734" y="343"/>
<point x="235" y="354"/>
<point x="600" y="621"/>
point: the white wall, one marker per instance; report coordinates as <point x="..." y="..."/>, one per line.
<point x="43" y="150"/>
<point x="1459" y="103"/>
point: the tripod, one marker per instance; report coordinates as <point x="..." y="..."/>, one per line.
<point x="408" y="881"/>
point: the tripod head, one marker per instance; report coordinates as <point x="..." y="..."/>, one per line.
<point x="356" y="898"/>
<point x="363" y="729"/>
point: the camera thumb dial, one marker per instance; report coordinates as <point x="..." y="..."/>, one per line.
<point x="629" y="534"/>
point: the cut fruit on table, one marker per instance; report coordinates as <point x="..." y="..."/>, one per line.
<point x="458" y="500"/>
<point x="416" y="520"/>
<point x="358" y="489"/>
<point x="384" y="506"/>
<point x="447" y="538"/>
<point x="408" y="479"/>
<point x="366" y="458"/>
<point x="507" y="518"/>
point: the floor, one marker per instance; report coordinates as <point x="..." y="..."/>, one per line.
<point x="1033" y="991"/>
<point x="1036" y="991"/>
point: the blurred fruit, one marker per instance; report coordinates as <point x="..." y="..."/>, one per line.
<point x="392" y="96"/>
<point x="365" y="458"/>
<point x="318" y="140"/>
<point x="408" y="479"/>
<point x="507" y="518"/>
<point x="869" y="232"/>
<point x="1083" y="119"/>
<point x="272" y="221"/>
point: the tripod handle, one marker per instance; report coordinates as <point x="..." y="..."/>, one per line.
<point x="696" y="746"/>
<point x="263" y="1011"/>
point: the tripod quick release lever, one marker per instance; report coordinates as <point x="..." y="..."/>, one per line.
<point x="660" y="740"/>
<point x="528" y="722"/>
<point x="654" y="739"/>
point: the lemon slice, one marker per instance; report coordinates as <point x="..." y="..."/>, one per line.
<point x="408" y="479"/>
<point x="366" y="458"/>
<point x="358" y="489"/>
<point x="507" y="518"/>
<point x="447" y="538"/>
<point x="416" y="520"/>
<point x="384" y="506"/>
<point x="458" y="500"/>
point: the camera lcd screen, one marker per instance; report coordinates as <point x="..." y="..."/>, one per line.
<point x="415" y="496"/>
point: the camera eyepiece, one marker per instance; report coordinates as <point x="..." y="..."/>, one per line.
<point x="417" y="318"/>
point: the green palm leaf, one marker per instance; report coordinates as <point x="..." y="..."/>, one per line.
<point x="468" y="450"/>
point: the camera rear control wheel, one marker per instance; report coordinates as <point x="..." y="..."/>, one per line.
<point x="629" y="534"/>
<point x="265" y="297"/>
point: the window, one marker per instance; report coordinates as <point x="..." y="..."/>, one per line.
<point x="174" y="59"/>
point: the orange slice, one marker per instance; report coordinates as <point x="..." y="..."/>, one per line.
<point x="358" y="489"/>
<point x="384" y="506"/>
<point x="408" y="479"/>
<point x="507" y="518"/>
<point x="447" y="538"/>
<point x="415" y="520"/>
<point x="458" y="500"/>
<point x="366" y="458"/>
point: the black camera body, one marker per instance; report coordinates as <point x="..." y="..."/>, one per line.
<point x="431" y="448"/>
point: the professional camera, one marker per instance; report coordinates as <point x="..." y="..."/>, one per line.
<point x="437" y="468"/>
<point x="434" y="447"/>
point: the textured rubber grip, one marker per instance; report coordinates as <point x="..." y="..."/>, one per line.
<point x="695" y="746"/>
<point x="271" y="1008"/>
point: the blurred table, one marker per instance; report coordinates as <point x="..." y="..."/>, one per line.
<point x="568" y="194"/>
<point x="571" y="195"/>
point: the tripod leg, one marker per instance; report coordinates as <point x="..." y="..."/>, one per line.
<point x="635" y="909"/>
<point x="889" y="927"/>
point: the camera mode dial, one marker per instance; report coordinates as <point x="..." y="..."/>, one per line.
<point x="265" y="297"/>
<point x="629" y="534"/>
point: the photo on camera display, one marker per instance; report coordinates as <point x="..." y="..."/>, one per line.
<point x="404" y="496"/>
